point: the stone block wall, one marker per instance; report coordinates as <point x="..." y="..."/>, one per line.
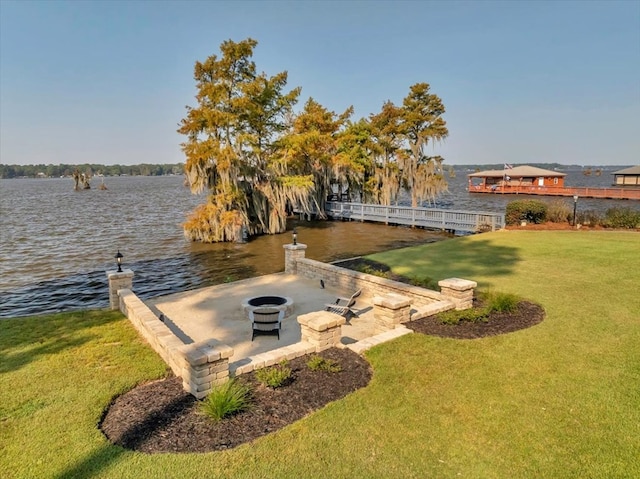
<point x="200" y="365"/>
<point x="348" y="280"/>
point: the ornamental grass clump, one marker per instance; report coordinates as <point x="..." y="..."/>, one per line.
<point x="502" y="302"/>
<point x="491" y="303"/>
<point x="275" y="376"/>
<point x="318" y="363"/>
<point x="472" y="315"/>
<point x="226" y="400"/>
<point x="558" y="211"/>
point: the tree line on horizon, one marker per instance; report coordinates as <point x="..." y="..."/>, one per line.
<point x="258" y="158"/>
<point x="65" y="170"/>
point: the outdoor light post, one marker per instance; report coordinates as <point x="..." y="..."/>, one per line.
<point x="575" y="204"/>
<point x="119" y="257"/>
<point x="295" y="236"/>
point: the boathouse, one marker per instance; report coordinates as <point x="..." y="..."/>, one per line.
<point x="518" y="178"/>
<point x="627" y="177"/>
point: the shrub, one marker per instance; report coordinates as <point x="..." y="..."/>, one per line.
<point x="558" y="211"/>
<point x="275" y="376"/>
<point x="502" y="302"/>
<point x="532" y="211"/>
<point x="318" y="363"/>
<point x="589" y="217"/>
<point x="621" y="218"/>
<point x="225" y="400"/>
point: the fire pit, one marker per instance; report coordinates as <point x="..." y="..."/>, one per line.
<point x="280" y="303"/>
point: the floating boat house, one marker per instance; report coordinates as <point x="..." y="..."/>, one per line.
<point x="627" y="177"/>
<point x="517" y="179"/>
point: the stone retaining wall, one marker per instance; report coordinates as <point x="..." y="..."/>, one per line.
<point x="349" y="281"/>
<point x="201" y="365"/>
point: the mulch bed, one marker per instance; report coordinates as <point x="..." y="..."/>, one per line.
<point x="161" y="417"/>
<point x="526" y="315"/>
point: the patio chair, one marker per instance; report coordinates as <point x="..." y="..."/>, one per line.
<point x="343" y="305"/>
<point x="266" y="321"/>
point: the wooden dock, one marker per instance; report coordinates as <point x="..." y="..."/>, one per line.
<point x="581" y="192"/>
<point x="432" y="218"/>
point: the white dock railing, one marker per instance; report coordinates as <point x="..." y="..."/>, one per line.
<point x="463" y="221"/>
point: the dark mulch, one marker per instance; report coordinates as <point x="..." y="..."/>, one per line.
<point x="526" y="315"/>
<point x="161" y="417"/>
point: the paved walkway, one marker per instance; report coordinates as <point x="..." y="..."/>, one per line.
<point x="216" y="312"/>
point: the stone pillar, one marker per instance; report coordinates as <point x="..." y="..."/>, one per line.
<point x="389" y="311"/>
<point x="204" y="365"/>
<point x="117" y="281"/>
<point x="321" y="329"/>
<point x="292" y="253"/>
<point x="458" y="291"/>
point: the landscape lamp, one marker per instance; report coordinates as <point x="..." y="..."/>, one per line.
<point x="575" y="204"/>
<point x="295" y="236"/>
<point x="119" y="261"/>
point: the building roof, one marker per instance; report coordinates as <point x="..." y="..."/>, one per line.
<point x="521" y="171"/>
<point x="634" y="170"/>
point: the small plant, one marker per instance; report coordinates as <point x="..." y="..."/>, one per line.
<point x="318" y="363"/>
<point x="229" y="278"/>
<point x="502" y="302"/>
<point x="275" y="376"/>
<point x="225" y="400"/>
<point x="472" y="315"/>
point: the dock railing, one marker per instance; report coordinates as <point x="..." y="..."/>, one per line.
<point x="433" y="218"/>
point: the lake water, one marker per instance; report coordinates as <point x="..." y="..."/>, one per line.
<point x="56" y="243"/>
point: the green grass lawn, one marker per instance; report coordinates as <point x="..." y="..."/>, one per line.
<point x="561" y="399"/>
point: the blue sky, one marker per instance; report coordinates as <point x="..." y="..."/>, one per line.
<point x="107" y="82"/>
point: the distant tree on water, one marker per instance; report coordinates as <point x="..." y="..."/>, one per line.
<point x="257" y="159"/>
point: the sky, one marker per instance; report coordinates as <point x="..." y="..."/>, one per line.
<point x="107" y="82"/>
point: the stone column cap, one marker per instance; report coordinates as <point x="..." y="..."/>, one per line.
<point x="457" y="284"/>
<point x="392" y="301"/>
<point x="115" y="274"/>
<point x="295" y="247"/>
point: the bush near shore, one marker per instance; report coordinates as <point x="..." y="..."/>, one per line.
<point x="559" y="211"/>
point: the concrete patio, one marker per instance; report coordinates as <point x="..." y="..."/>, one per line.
<point x="216" y="312"/>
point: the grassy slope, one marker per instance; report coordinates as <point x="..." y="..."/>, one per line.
<point x="561" y="399"/>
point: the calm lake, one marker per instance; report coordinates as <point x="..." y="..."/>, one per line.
<point x="56" y="243"/>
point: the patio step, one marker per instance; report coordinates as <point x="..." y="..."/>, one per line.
<point x="431" y="309"/>
<point x="365" y="344"/>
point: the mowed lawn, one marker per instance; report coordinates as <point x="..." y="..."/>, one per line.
<point x="558" y="400"/>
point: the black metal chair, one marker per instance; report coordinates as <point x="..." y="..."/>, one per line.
<point x="266" y="321"/>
